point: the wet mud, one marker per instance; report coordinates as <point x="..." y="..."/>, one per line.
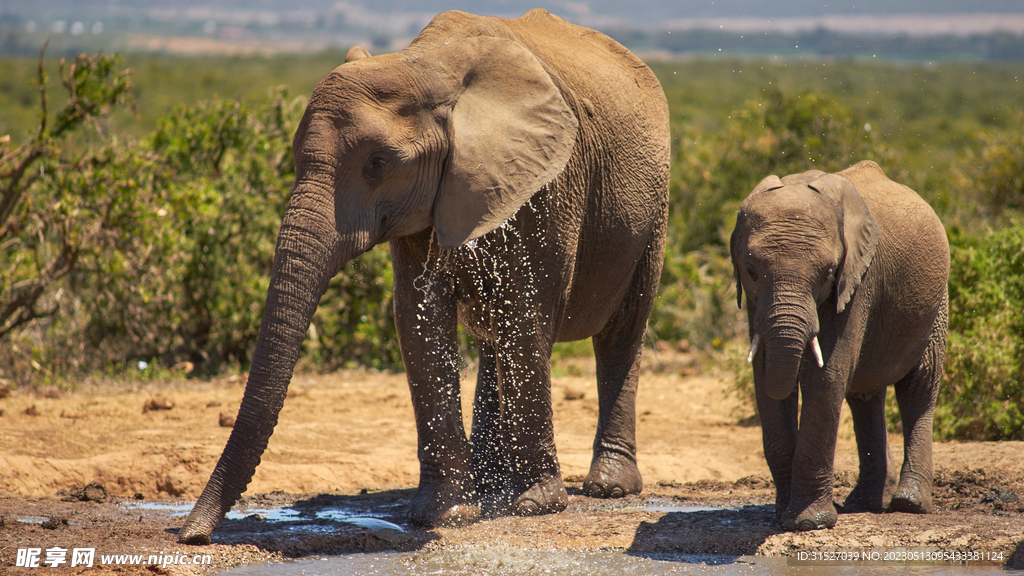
<point x="94" y="469"/>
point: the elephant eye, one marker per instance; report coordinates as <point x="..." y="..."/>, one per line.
<point x="375" y="167"/>
<point x="751" y="272"/>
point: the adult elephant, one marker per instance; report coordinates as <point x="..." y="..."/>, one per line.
<point x="846" y="277"/>
<point x="519" y="170"/>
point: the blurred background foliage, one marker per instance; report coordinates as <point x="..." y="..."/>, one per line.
<point x="139" y="215"/>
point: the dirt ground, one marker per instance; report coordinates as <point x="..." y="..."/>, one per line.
<point x="348" y="440"/>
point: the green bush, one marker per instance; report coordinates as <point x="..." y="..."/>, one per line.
<point x="222" y="172"/>
<point x="777" y="133"/>
<point x="697" y="300"/>
<point x="161" y="249"/>
<point x="63" y="192"/>
<point x="993" y="168"/>
<point x="187" y="279"/>
<point x="982" y="393"/>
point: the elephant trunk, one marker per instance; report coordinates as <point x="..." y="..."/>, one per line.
<point x="789" y="330"/>
<point x="305" y="260"/>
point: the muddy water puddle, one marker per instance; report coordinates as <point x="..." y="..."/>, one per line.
<point x="305" y="518"/>
<point x="329" y="536"/>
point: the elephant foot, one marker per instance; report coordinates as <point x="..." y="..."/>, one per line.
<point x="436" y="506"/>
<point x="868" y="499"/>
<point x="811" y="518"/>
<point x="545" y="497"/>
<point x="612" y="477"/>
<point x="910" y="497"/>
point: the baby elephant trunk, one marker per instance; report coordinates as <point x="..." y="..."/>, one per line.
<point x="786" y="339"/>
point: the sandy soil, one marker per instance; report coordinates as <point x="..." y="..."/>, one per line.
<point x="348" y="439"/>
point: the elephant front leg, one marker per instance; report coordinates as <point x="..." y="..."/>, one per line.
<point x="877" y="479"/>
<point x="427" y="334"/>
<point x="810" y="503"/>
<point x="524" y="381"/>
<point x="778" y="435"/>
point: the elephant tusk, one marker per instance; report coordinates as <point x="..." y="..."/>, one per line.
<point x="816" y="348"/>
<point x="753" y="347"/>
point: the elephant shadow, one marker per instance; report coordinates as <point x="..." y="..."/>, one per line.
<point x="323" y="524"/>
<point x="706" y="536"/>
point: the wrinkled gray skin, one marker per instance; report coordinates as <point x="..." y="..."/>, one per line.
<point x="862" y="263"/>
<point x="519" y="170"/>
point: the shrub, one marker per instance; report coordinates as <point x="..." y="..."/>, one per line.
<point x="188" y="279"/>
<point x="161" y="249"/>
<point x="191" y="282"/>
<point x="982" y="393"/>
<point x="776" y="134"/>
<point x="62" y="196"/>
<point x="999" y="167"/>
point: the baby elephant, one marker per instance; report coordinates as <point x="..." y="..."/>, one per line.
<point x="845" y="276"/>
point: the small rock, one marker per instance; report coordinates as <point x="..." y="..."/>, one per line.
<point x="92" y="492"/>
<point x="157" y="403"/>
<point x="227" y="420"/>
<point x="571" y="394"/>
<point x="212" y="404"/>
<point x="139" y="496"/>
<point x="54" y="522"/>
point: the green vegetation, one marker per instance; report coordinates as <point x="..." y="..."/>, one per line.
<point x="137" y="222"/>
<point x="984" y="380"/>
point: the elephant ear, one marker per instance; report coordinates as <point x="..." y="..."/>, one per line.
<point x="860" y="234"/>
<point x="767" y="183"/>
<point x="510" y="131"/>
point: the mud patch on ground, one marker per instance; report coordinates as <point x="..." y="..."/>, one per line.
<point x="92" y="468"/>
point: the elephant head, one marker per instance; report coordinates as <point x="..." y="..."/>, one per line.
<point x="798" y="242"/>
<point x="455" y="136"/>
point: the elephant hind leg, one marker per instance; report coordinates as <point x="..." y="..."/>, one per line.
<point x="613" y="469"/>
<point x="617" y="350"/>
<point x="877" y="479"/>
<point x="916" y="394"/>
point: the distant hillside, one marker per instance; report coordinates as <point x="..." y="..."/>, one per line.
<point x="889" y="29"/>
